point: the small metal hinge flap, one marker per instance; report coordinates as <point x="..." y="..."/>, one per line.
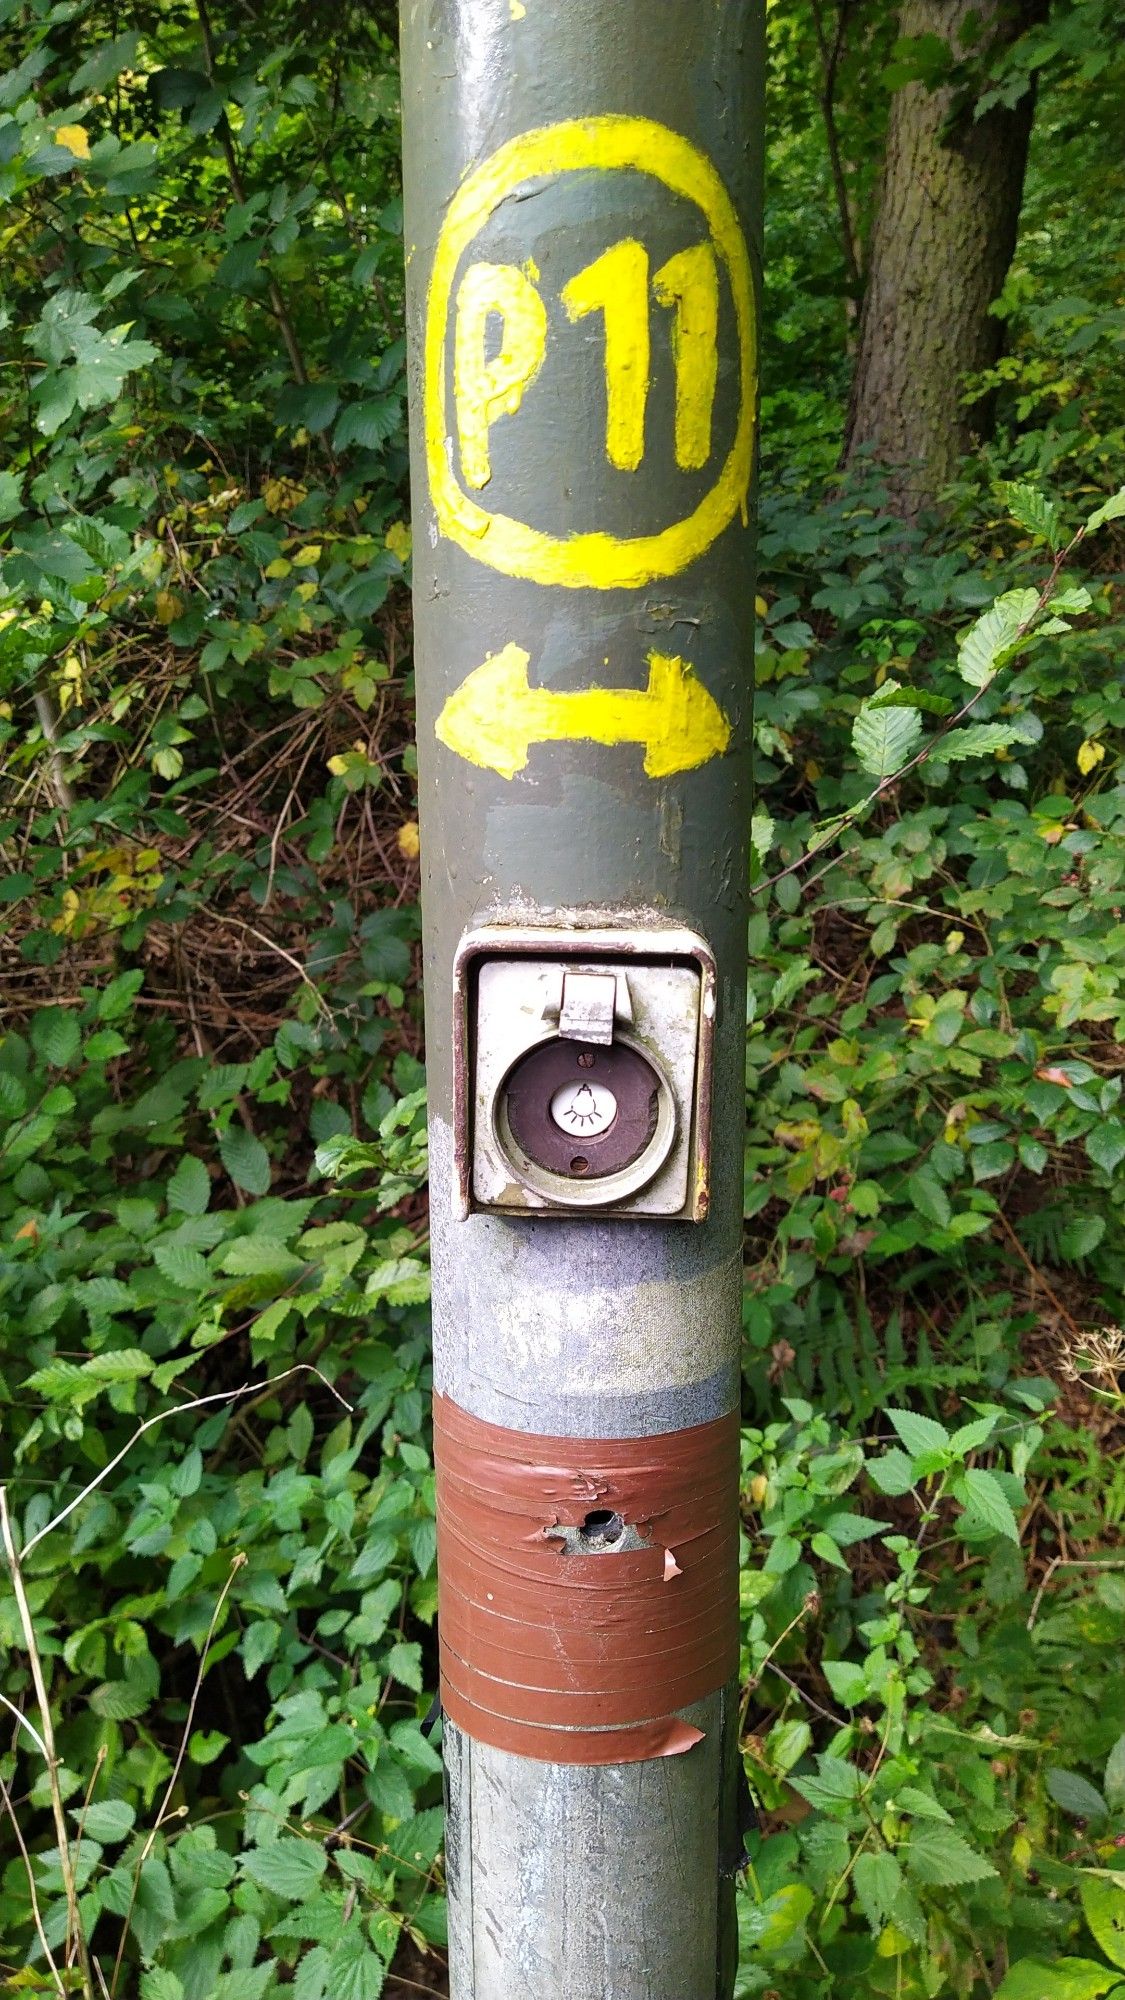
<point x="589" y="1007"/>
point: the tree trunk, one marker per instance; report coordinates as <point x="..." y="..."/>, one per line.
<point x="943" y="239"/>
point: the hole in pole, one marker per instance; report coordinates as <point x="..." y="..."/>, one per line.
<point x="580" y="1164"/>
<point x="602" y="1528"/>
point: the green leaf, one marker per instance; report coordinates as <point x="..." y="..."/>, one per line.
<point x="160" y="1985"/>
<point x="922" y="699"/>
<point x="288" y="1868"/>
<point x="119" y="995"/>
<point x="11" y="499"/>
<point x="787" y="1743"/>
<point x="367" y="424"/>
<point x="55" y="1036"/>
<point x="823" y="1546"/>
<point x="1063" y="1979"/>
<point x="189" y="1190"/>
<point x="354" y="1970"/>
<point x="1113" y="1782"/>
<point x="983" y="739"/>
<point x="761" y="835"/>
<point x="106" y="63"/>
<point x="1032" y="511"/>
<point x="982" y="1494"/>
<point x="187" y="1476"/>
<point x="1075" y="1794"/>
<point x="836" y="1783"/>
<point x="311" y="1981"/>
<point x="1104" y="1906"/>
<point x="106" y="1821"/>
<point x="920" y="1805"/>
<point x="770" y="1925"/>
<point x="971" y="1436"/>
<point x="246" y="1160"/>
<point x="120" y="1701"/>
<point x="893" y="1473"/>
<point x="183" y="1265"/>
<point x="1112" y="509"/>
<point x="878" y="1881"/>
<point x="883" y="738"/>
<point x="938" y="1856"/>
<point x="847" y="1681"/>
<point x="260" y="1256"/>
<point x="245" y="1982"/>
<point x="994" y="639"/>
<point x="404" y="1661"/>
<point x="1081" y="1237"/>
<point x="402" y="1281"/>
<point x="259" y="1644"/>
<point x="1105" y="1145"/>
<point x="919" y="1434"/>
<point x="929" y="1197"/>
<point x="847" y="1529"/>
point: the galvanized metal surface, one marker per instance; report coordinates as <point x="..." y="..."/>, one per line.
<point x="620" y="1899"/>
<point x="570" y="1883"/>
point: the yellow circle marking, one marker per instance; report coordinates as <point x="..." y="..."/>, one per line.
<point x="596" y="561"/>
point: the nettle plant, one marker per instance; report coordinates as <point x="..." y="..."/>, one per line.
<point x="216" y="1600"/>
<point x="901" y="1806"/>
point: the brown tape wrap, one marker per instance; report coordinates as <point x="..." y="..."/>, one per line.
<point x="577" y="1657"/>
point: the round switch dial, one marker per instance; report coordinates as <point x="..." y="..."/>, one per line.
<point x="585" y="1110"/>
<point x="586" y="1124"/>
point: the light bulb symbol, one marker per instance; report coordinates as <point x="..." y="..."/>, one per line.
<point x="582" y="1112"/>
<point x="588" y="1109"/>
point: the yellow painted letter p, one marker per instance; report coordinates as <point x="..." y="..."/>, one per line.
<point x="486" y="389"/>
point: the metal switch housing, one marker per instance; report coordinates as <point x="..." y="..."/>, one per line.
<point x="583" y="1067"/>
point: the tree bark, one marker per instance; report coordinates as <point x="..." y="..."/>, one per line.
<point x="943" y="239"/>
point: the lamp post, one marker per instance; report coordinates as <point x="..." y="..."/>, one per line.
<point x="582" y="186"/>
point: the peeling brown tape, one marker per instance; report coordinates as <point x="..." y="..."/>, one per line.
<point x="575" y="1656"/>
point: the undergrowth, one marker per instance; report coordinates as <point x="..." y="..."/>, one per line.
<point x="217" y="1625"/>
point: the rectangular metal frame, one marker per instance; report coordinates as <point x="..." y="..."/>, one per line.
<point x="579" y="939"/>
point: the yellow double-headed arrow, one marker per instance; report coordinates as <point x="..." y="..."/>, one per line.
<point x="495" y="716"/>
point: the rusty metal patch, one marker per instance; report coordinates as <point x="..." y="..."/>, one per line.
<point x="588" y="1589"/>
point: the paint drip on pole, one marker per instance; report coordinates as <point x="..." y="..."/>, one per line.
<point x="583" y="203"/>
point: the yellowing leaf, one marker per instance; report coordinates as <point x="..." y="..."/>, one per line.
<point x="168" y="606"/>
<point x="278" y="568"/>
<point x="283" y="496"/>
<point x="337" y="766"/>
<point x="75" y="140"/>
<point x="308" y="557"/>
<point x="1090" y="755"/>
<point x="400" y="541"/>
<point x="760" y="607"/>
<point x="408" y="841"/>
<point x="65" y="921"/>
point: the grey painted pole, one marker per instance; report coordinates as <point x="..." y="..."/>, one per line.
<point x="583" y="205"/>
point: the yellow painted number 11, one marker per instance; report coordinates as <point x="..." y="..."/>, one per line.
<point x="616" y="285"/>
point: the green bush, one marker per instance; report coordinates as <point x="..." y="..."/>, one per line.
<point x="214" y="1359"/>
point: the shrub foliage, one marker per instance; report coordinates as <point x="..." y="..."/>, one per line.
<point x="218" y="1775"/>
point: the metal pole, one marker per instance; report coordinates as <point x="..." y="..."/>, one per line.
<point x="583" y="201"/>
